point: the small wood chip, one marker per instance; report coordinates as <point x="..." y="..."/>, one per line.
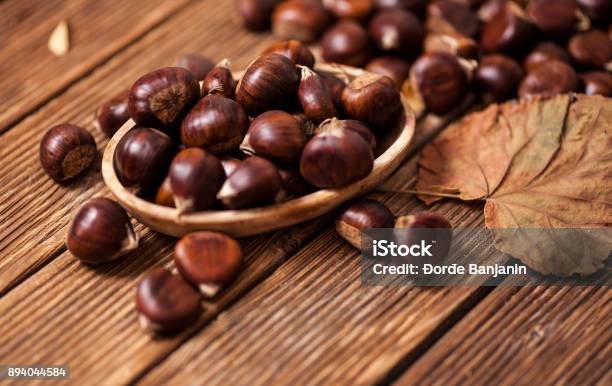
<point x="59" y="40"/>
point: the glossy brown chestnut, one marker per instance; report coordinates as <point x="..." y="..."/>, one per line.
<point x="256" y="14"/>
<point x="360" y="215"/>
<point x="216" y="124"/>
<point x="592" y="49"/>
<point x="352" y="125"/>
<point x="141" y="159"/>
<point x="229" y="164"/>
<point x="596" y="83"/>
<point x="256" y="181"/>
<point x="451" y="16"/>
<point x="161" y="98"/>
<point x="509" y="31"/>
<point x="195" y="178"/>
<point x="314" y="96"/>
<point x="397" y="31"/>
<point x="275" y="135"/>
<point x="113" y="114"/>
<point x="198" y="65"/>
<point x="302" y="20"/>
<point x="270" y="82"/>
<point x="293" y="184"/>
<point x="555" y="17"/>
<point x="554" y="78"/>
<point x="440" y="81"/>
<point x="347" y="42"/>
<point x="544" y="52"/>
<point x="166" y="303"/>
<point x="66" y="151"/>
<point x="373" y="100"/>
<point x="455" y="44"/>
<point x="426" y="225"/>
<point x="294" y="50"/>
<point x="393" y="67"/>
<point x="497" y="78"/>
<point x="417" y="7"/>
<point x="597" y="10"/>
<point x="336" y="158"/>
<point x="164" y="195"/>
<point x="335" y="85"/>
<point x="208" y="260"/>
<point x="220" y="81"/>
<point x="100" y="232"/>
<point x="349" y="9"/>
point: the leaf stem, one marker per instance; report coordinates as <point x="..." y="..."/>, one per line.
<point x="419" y="192"/>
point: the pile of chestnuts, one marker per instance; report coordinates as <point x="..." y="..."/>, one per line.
<point x="441" y="50"/>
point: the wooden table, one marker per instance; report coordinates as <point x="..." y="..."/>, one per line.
<point x="298" y="313"/>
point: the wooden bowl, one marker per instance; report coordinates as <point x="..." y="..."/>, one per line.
<point x="390" y="152"/>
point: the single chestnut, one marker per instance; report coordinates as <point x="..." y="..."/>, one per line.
<point x="417" y="7"/>
<point x="275" y="135"/>
<point x="453" y="43"/>
<point x="598" y="10"/>
<point x="256" y="14"/>
<point x="161" y="98"/>
<point x="294" y="50"/>
<point x="270" y="82"/>
<point x="592" y="49"/>
<point x="66" y="151"/>
<point x="335" y="85"/>
<point x="393" y="67"/>
<point x="195" y="178"/>
<point x="142" y="157"/>
<point x="293" y="184"/>
<point x="198" y="65"/>
<point x="164" y="195"/>
<point x="352" y="125"/>
<point x="256" y="181"/>
<point x="347" y="42"/>
<point x="229" y="164"/>
<point x="497" y="78"/>
<point x="360" y="215"/>
<point x="557" y="18"/>
<point x="336" y="158"/>
<point x="216" y="124"/>
<point x="508" y="32"/>
<point x="208" y="260"/>
<point x="596" y="83"/>
<point x="374" y="100"/>
<point x="303" y="20"/>
<point x="314" y="96"/>
<point x="440" y="81"/>
<point x="349" y="9"/>
<point x="165" y="302"/>
<point x="412" y="229"/>
<point x="100" y="232"/>
<point x="113" y="114"/>
<point x="544" y="52"/>
<point x="553" y="78"/>
<point x="451" y="16"/>
<point x="397" y="31"/>
<point x="220" y="81"/>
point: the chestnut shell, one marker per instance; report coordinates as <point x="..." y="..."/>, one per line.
<point x="347" y="42"/>
<point x="66" y="151"/>
<point x="198" y="65"/>
<point x="315" y="97"/>
<point x="294" y="50"/>
<point x="497" y="78"/>
<point x="113" y="114"/>
<point x="397" y="31"/>
<point x="553" y="78"/>
<point x="302" y="20"/>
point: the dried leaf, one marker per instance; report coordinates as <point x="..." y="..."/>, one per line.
<point x="538" y="164"/>
<point x="59" y="40"/>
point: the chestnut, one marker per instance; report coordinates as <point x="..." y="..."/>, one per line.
<point x="229" y="164"/>
<point x="440" y="81"/>
<point x="335" y="85"/>
<point x="113" y="114"/>
<point x="426" y="225"/>
<point x="66" y="151"/>
<point x="415" y="6"/>
<point x="293" y="184"/>
<point x="596" y="83"/>
<point x="195" y="178"/>
<point x="360" y="215"/>
<point x="489" y="8"/>
<point x="497" y="78"/>
<point x="557" y="18"/>
<point x="544" y="52"/>
<point x="314" y="96"/>
<point x="393" y="67"/>
<point x="349" y="9"/>
<point x="100" y="232"/>
<point x="347" y="42"/>
<point x="208" y="260"/>
<point x="451" y="16"/>
<point x="308" y="127"/>
<point x="509" y="31"/>
<point x="597" y="10"/>
<point x="397" y="31"/>
<point x="374" y="100"/>
<point x="455" y="44"/>
<point x="198" y="65"/>
<point x="220" y="81"/>
<point x="161" y="98"/>
<point x="256" y="181"/>
<point x="553" y="78"/>
<point x="164" y="195"/>
<point x="294" y="50"/>
<point x="336" y="158"/>
<point x="592" y="49"/>
<point x="165" y="302"/>
<point x="270" y="82"/>
<point x="275" y="135"/>
<point x="256" y="14"/>
<point x="303" y="20"/>
<point x="216" y="124"/>
<point x="141" y="158"/>
<point x="352" y="125"/>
